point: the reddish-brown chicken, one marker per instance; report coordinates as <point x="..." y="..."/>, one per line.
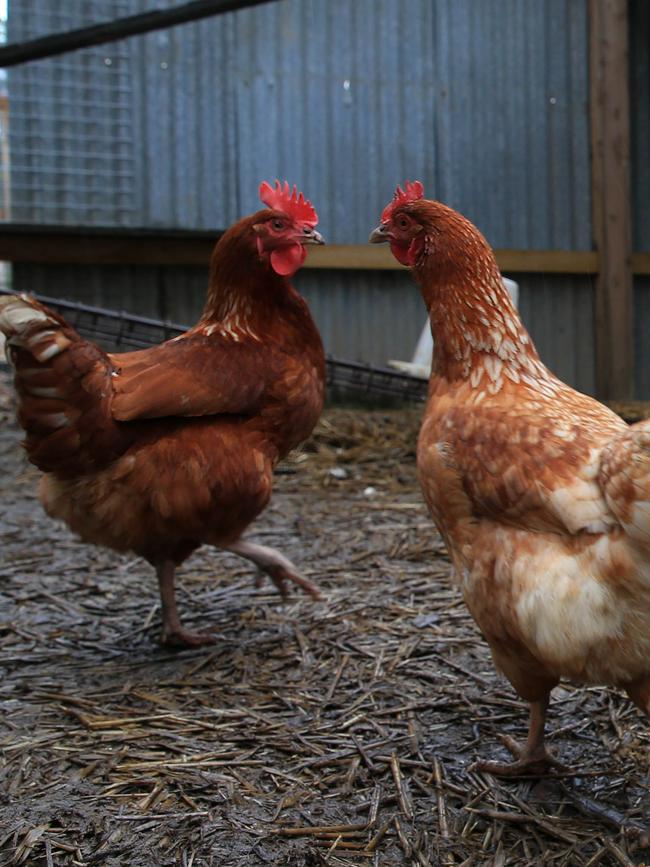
<point x="541" y="494"/>
<point x="161" y="450"/>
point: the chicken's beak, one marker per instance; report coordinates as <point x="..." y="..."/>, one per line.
<point x="311" y="236"/>
<point x="379" y="235"/>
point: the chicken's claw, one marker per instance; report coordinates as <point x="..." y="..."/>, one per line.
<point x="274" y="564"/>
<point x="181" y="638"/>
<point x="280" y="575"/>
<point x="528" y="762"/>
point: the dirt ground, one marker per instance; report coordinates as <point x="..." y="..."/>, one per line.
<point x="339" y="732"/>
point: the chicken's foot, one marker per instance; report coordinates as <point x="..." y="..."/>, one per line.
<point x="173" y="633"/>
<point x="274" y="564"/>
<point x="639" y="692"/>
<point x="532" y="758"/>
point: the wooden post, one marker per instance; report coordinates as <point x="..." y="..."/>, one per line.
<point x="611" y="209"/>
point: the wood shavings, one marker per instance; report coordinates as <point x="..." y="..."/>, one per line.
<point x="337" y="732"/>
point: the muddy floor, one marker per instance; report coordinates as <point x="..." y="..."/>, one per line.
<point x="338" y="732"/>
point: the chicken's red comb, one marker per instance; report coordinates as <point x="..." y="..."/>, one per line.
<point x="293" y="203"/>
<point x="414" y="191"/>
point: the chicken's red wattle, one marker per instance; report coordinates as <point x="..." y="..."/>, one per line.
<point x="285" y="261"/>
<point x="406" y="254"/>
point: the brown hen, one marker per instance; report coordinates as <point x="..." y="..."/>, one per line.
<point x="541" y="494"/>
<point x="162" y="450"/>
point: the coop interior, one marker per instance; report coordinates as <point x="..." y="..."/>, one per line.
<point x="354" y="726"/>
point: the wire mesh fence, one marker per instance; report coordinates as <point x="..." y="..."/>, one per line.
<point x="118" y="330"/>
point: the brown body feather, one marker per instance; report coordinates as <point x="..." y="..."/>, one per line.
<point x="542" y="494"/>
<point x="161" y="450"/>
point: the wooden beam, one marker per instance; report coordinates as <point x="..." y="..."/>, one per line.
<point x="548" y="261"/>
<point x="60" y="245"/>
<point x="356" y="257"/>
<point x="611" y="212"/>
<point x="641" y="263"/>
<point x="373" y="257"/>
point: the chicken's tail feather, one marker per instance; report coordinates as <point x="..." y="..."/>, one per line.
<point x="28" y="325"/>
<point x="61" y="382"/>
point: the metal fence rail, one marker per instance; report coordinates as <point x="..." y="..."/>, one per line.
<point x="120" y="331"/>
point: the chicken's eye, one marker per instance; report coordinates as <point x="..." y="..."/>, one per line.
<point x="402" y="223"/>
<point x="279" y="225"/>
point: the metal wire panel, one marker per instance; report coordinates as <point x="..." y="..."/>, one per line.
<point x="73" y="156"/>
<point x="121" y="331"/>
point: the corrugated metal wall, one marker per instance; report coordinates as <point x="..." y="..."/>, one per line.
<point x="345" y="99"/>
<point x="485" y="102"/>
<point x="363" y="316"/>
<point x="642" y="336"/>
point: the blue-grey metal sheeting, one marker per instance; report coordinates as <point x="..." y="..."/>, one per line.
<point x="485" y="102"/>
<point x="640" y="122"/>
<point x="369" y="316"/>
<point x="642" y="337"/>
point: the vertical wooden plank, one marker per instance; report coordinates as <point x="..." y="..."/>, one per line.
<point x="611" y="209"/>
